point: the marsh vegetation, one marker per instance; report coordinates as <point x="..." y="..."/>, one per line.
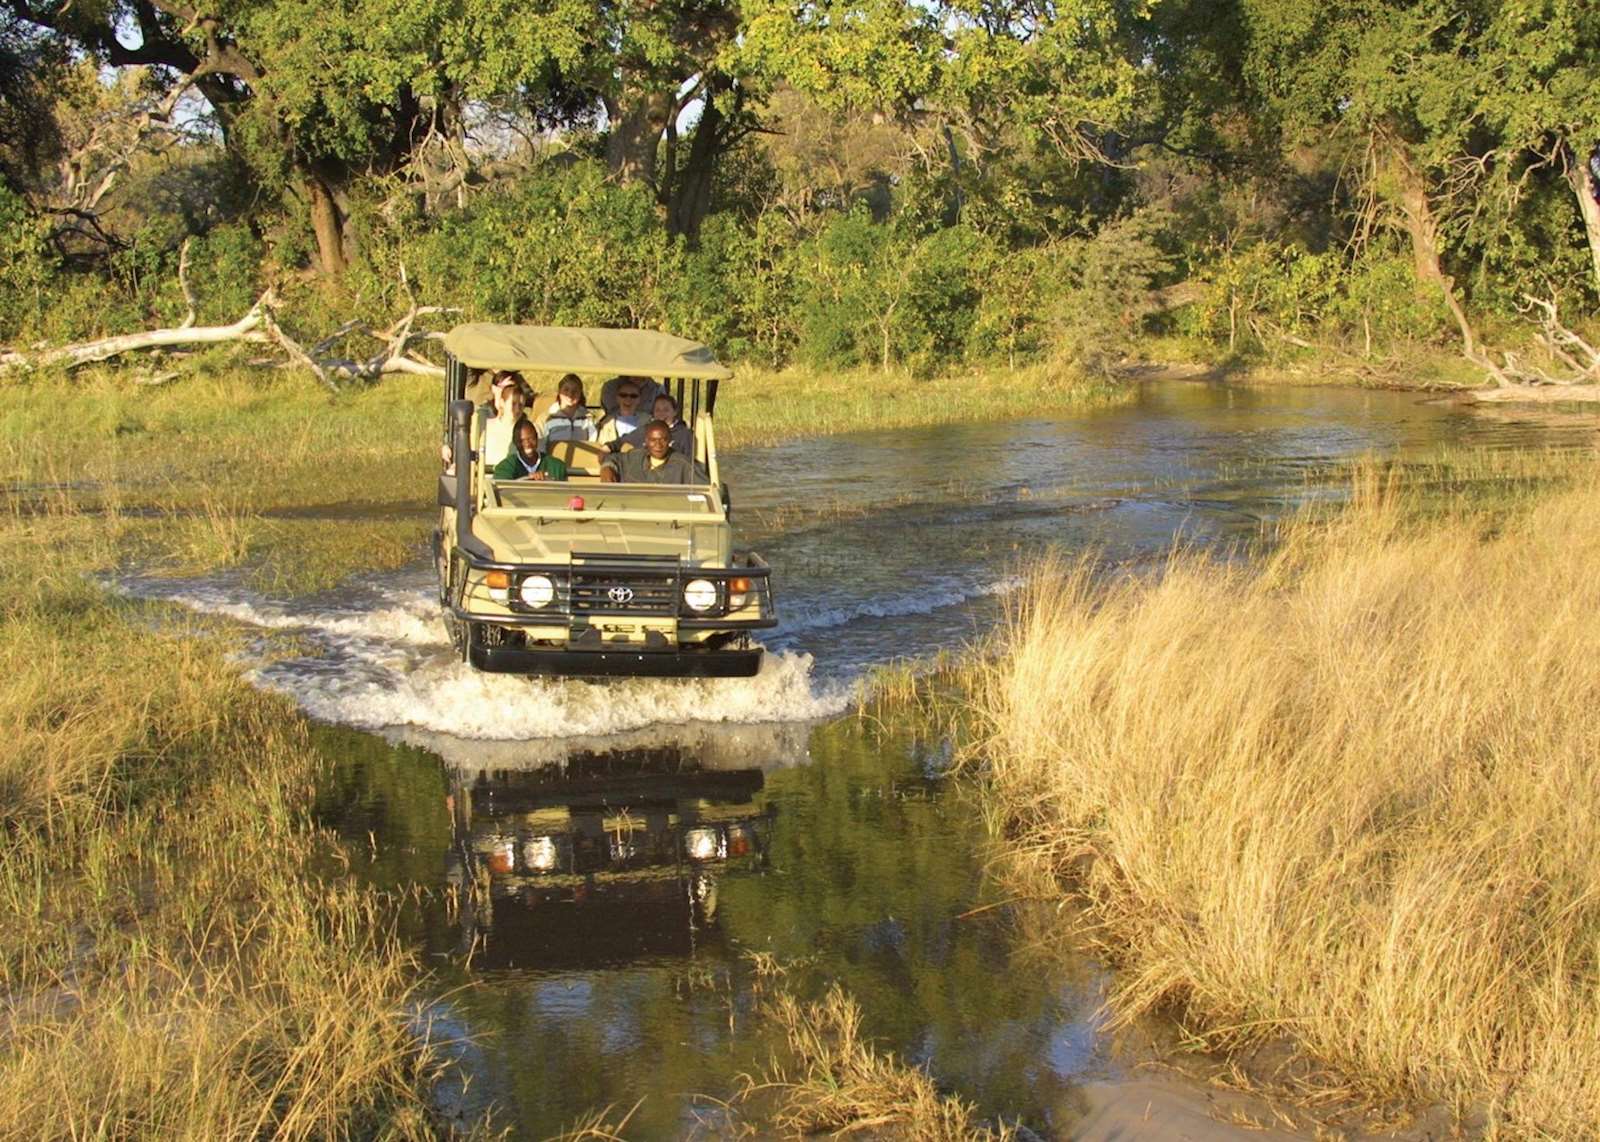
<point x="1341" y="795"/>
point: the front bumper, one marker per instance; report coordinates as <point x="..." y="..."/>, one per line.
<point x="676" y="663"/>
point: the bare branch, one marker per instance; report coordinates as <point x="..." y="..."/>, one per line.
<point x="183" y="284"/>
<point x="247" y="328"/>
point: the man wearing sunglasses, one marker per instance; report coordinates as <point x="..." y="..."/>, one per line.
<point x="647" y="387"/>
<point x="631" y="412"/>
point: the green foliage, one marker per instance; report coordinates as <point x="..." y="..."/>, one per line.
<point x="872" y="293"/>
<point x="564" y="246"/>
<point x="1257" y="295"/>
<point x="25" y="268"/>
<point x="897" y="186"/>
<point x="225" y="271"/>
<point x="1111" y="281"/>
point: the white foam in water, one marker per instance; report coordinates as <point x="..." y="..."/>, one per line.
<point x="451" y="697"/>
<point x="920" y="602"/>
<point x="386" y="663"/>
<point x="410" y="617"/>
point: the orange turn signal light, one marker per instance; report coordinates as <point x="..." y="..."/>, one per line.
<point x="739" y="586"/>
<point x="498" y="580"/>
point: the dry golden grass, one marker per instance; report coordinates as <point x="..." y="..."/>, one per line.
<point x="835" y="1082"/>
<point x="171" y="964"/>
<point x="1349" y="794"/>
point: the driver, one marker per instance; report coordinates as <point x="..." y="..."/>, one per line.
<point x="655" y="463"/>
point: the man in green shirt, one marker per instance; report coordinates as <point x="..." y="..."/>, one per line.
<point x="525" y="462"/>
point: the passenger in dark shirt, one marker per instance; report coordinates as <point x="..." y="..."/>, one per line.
<point x="655" y="463"/>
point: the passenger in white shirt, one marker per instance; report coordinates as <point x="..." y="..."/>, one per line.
<point x="510" y="401"/>
<point x="628" y="416"/>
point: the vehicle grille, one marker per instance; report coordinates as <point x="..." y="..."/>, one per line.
<point x="624" y="593"/>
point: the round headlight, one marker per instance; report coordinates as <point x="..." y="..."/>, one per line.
<point x="702" y="844"/>
<point x="537" y="591"/>
<point x="539" y="853"/>
<point x="700" y="594"/>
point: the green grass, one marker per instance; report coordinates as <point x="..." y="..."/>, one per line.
<point x="761" y="406"/>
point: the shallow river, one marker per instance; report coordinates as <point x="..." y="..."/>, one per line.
<point x="599" y="962"/>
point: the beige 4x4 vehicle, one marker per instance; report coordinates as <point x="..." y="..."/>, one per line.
<point x="582" y="577"/>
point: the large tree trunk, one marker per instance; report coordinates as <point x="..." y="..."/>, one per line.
<point x="1587" y="190"/>
<point x="327" y="220"/>
<point x="637" y="119"/>
<point x="691" y="193"/>
<point x="1422" y="227"/>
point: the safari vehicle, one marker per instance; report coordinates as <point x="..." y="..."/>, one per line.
<point x="582" y="577"/>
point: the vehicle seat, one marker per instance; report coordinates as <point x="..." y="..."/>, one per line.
<point x="580" y="457"/>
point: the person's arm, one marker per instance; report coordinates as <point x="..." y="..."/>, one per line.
<point x="556" y="469"/>
<point x="610" y="470"/>
<point x="509" y="468"/>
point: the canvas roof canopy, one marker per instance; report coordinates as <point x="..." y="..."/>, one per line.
<point x="560" y="349"/>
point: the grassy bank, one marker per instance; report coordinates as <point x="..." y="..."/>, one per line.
<point x="171" y="964"/>
<point x="1347" y="795"/>
<point x="761" y="406"/>
<point x="1410" y="366"/>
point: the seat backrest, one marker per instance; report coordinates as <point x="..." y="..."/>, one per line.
<point x="580" y="457"/>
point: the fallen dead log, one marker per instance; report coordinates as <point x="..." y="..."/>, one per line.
<point x="247" y="328"/>
<point x="259" y="326"/>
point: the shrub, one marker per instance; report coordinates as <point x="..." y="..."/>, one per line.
<point x="25" y="268"/>
<point x="1110" y="282"/>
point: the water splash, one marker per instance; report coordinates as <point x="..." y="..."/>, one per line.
<point x="380" y="661"/>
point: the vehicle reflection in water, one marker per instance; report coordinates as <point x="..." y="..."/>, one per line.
<point x="606" y="858"/>
<point x="583" y="953"/>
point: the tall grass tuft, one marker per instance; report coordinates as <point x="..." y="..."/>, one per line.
<point x="1349" y="794"/>
<point x="835" y="1081"/>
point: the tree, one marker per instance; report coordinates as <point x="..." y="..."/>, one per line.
<point x="1441" y="103"/>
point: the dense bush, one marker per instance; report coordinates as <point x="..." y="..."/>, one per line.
<point x="1258" y="296"/>
<point x="565" y="247"/>
<point x="919" y="276"/>
<point x="25" y="269"/>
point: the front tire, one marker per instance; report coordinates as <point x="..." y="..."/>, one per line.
<point x="452" y="578"/>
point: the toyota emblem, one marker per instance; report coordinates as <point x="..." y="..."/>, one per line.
<point x="621" y="594"/>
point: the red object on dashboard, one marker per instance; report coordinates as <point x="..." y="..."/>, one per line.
<point x="575" y="504"/>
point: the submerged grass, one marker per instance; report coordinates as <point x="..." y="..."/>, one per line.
<point x="833" y="1081"/>
<point x="1347" y="794"/>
